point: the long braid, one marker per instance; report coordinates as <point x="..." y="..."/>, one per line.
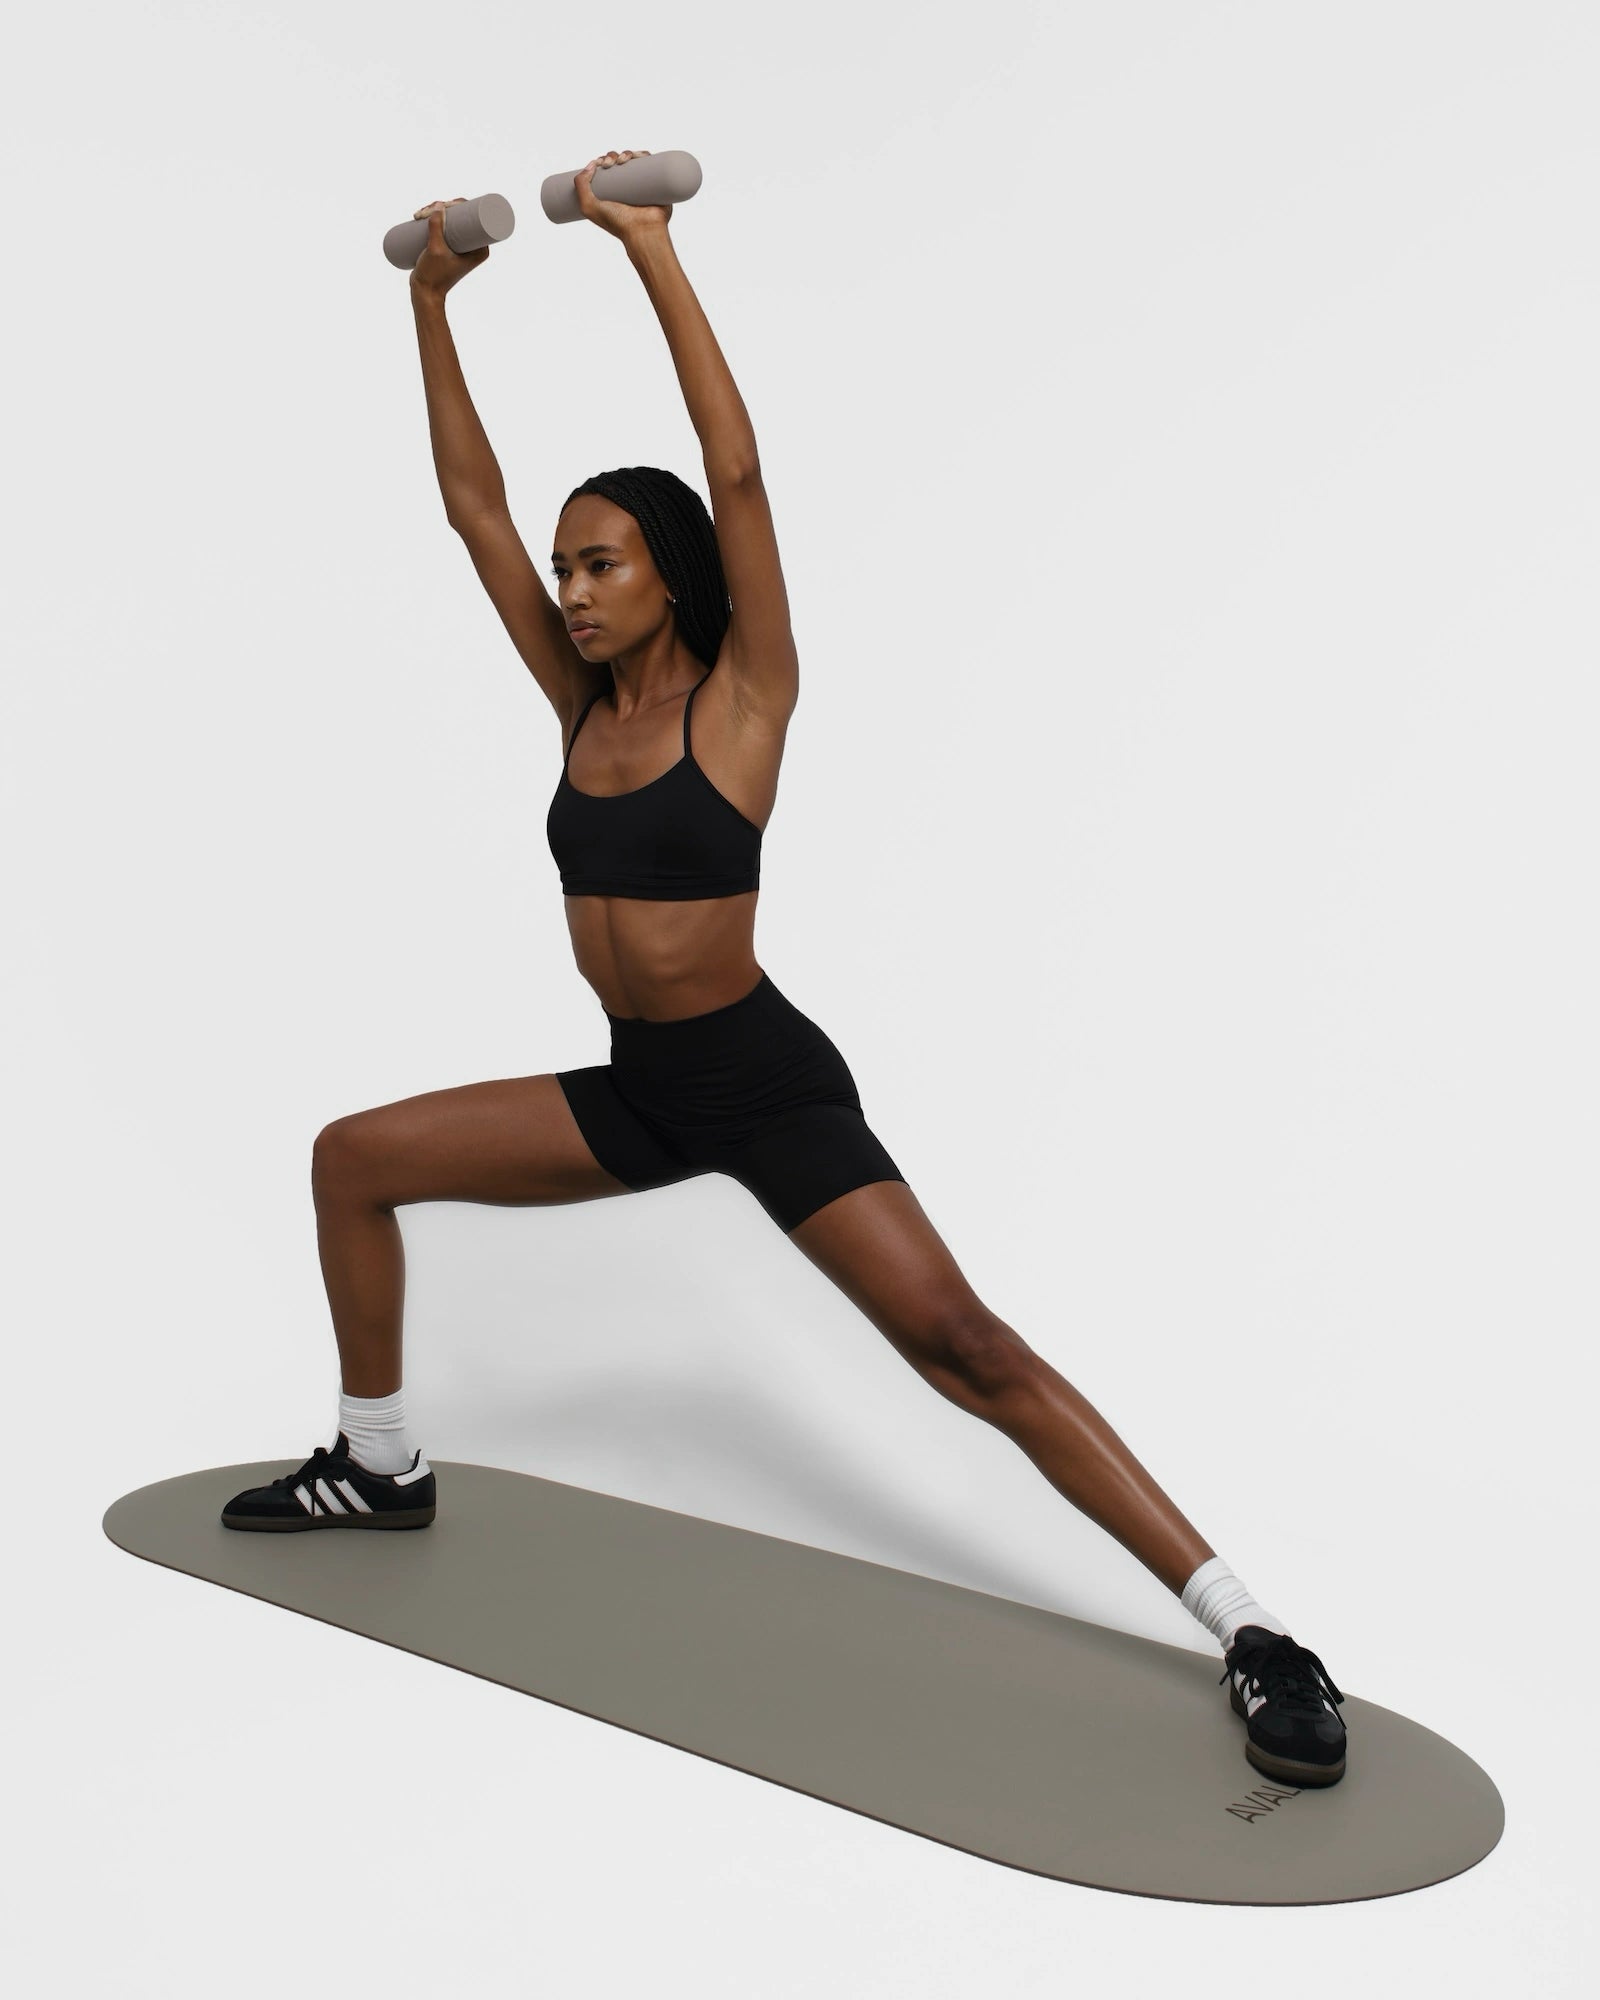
<point x="682" y="539"/>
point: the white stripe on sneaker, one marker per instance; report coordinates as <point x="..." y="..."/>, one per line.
<point x="358" y="1505"/>
<point x="1251" y="1703"/>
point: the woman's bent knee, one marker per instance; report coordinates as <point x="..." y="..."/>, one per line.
<point x="512" y="1141"/>
<point x="338" y="1156"/>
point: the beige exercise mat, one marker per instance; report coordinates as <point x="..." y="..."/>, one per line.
<point x="1013" y="1733"/>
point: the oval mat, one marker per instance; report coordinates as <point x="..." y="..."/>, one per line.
<point x="1014" y="1733"/>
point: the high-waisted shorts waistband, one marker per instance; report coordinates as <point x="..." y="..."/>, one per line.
<point x="637" y="1041"/>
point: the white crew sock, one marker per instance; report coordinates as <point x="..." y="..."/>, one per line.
<point x="376" y="1428"/>
<point x="1222" y="1604"/>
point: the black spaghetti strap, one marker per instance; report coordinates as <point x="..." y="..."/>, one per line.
<point x="688" y="750"/>
<point x="582" y="719"/>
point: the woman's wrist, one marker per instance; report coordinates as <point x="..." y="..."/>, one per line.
<point x="647" y="245"/>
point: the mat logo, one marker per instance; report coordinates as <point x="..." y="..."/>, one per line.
<point x="1264" y="1799"/>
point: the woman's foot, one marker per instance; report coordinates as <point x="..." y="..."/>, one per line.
<point x="332" y="1490"/>
<point x="1282" y="1691"/>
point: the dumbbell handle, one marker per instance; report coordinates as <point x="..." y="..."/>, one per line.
<point x="468" y="225"/>
<point x="640" y="182"/>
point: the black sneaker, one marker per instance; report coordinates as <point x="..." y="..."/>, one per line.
<point x="332" y="1491"/>
<point x="1280" y="1689"/>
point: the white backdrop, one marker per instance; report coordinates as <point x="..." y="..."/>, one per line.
<point x="1180" y="424"/>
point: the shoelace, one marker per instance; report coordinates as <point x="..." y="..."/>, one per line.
<point x="311" y="1471"/>
<point x="1286" y="1672"/>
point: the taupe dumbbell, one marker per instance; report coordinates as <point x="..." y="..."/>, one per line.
<point x="647" y="179"/>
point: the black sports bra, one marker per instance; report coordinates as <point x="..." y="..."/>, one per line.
<point x="672" y="839"/>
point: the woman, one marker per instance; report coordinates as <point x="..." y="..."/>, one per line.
<point x="674" y="706"/>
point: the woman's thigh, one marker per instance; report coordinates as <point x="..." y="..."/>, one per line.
<point x="513" y="1141"/>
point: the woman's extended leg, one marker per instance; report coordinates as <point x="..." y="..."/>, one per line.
<point x="877" y="1244"/>
<point x="880" y="1248"/>
<point x="512" y="1142"/>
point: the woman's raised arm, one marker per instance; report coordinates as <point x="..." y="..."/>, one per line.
<point x="469" y="473"/>
<point x="759" y="643"/>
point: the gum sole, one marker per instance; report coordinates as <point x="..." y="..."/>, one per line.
<point x="385" y="1521"/>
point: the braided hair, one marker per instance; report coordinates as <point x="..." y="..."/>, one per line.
<point x="682" y="540"/>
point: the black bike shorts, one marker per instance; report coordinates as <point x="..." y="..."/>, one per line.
<point x="754" y="1089"/>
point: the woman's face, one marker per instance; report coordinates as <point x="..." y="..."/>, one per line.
<point x="605" y="578"/>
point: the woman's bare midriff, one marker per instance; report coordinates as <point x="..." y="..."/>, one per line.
<point x="663" y="961"/>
